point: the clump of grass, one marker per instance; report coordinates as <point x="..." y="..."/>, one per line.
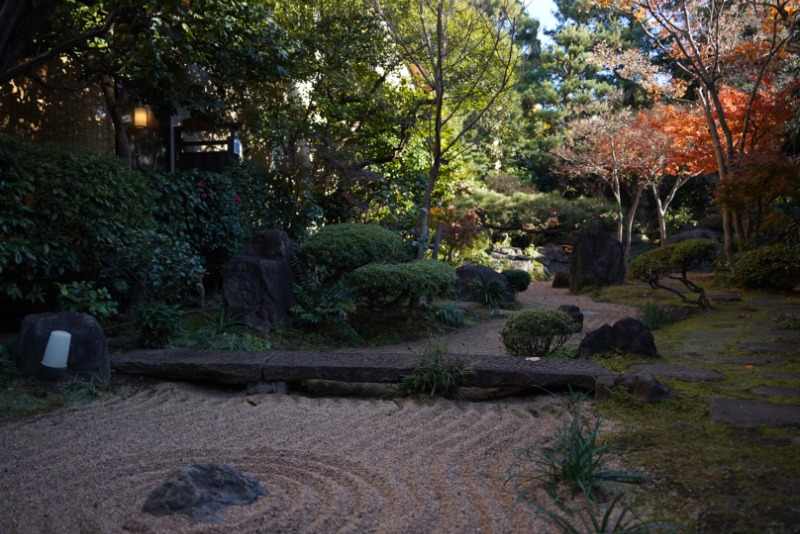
<point x="590" y="516"/>
<point x="450" y="315"/>
<point x="655" y="316"/>
<point x="81" y="390"/>
<point x="788" y="321"/>
<point x="436" y="374"/>
<point x="576" y="462"/>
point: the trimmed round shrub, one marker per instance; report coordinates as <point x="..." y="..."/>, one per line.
<point x="348" y="246"/>
<point x="693" y="253"/>
<point x="537" y="332"/>
<point x="775" y="267"/>
<point x="519" y="279"/>
<point x="386" y="284"/>
<point x="650" y="266"/>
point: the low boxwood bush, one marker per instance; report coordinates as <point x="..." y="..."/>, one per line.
<point x="519" y="279"/>
<point x="537" y="332"/>
<point x="383" y="284"/>
<point x="348" y="246"/>
<point x="775" y="267"/>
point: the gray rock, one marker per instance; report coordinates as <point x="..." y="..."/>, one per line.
<point x="574" y="312"/>
<point x="465" y="288"/>
<point x="632" y="335"/>
<point x="597" y="341"/>
<point x="750" y="413"/>
<point x="643" y="387"/>
<point x="596" y="261"/>
<point x="627" y="335"/>
<point x="686" y="373"/>
<point x="258" y="282"/>
<point x="777" y="391"/>
<point x="203" y="492"/>
<point x="88" y="350"/>
<point x="263" y="387"/>
<point x="561" y="280"/>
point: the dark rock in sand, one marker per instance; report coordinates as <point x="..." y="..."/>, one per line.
<point x="203" y="492"/>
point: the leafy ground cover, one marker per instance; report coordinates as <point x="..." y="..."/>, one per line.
<point x="714" y="476"/>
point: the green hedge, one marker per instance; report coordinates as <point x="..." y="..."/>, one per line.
<point x="775" y="267"/>
<point x="346" y="247"/>
<point x="382" y="284"/>
<point x="519" y="279"/>
<point x="63" y="212"/>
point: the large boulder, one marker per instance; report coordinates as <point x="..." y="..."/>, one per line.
<point x="628" y="335"/>
<point x="514" y="257"/>
<point x="88" y="350"/>
<point x="597" y="260"/>
<point x="467" y="274"/>
<point x="258" y="282"/>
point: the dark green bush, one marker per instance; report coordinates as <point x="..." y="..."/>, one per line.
<point x="84" y="297"/>
<point x="775" y="267"/>
<point x="201" y="208"/>
<point x="537" y="332"/>
<point x="155" y="266"/>
<point x="382" y="284"/>
<point x="519" y="279"/>
<point x="157" y="322"/>
<point x="61" y="213"/>
<point x="346" y="247"/>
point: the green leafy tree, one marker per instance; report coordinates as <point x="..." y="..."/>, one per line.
<point x="463" y="55"/>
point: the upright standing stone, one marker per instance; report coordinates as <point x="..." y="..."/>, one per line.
<point x="258" y="282"/>
<point x="596" y="260"/>
<point x="88" y="350"/>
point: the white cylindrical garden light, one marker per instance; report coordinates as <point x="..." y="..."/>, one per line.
<point x="54" y="362"/>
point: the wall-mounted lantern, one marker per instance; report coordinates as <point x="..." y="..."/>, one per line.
<point x="141" y="114"/>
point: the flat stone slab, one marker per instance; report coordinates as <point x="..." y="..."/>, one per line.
<point x="687" y="373"/>
<point x="785" y="375"/>
<point x="231" y="367"/>
<point x="777" y="391"/>
<point x="757" y="361"/>
<point x="783" y="348"/>
<point x="750" y="413"/>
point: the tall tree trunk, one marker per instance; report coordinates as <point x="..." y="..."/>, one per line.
<point x="629" y="225"/>
<point x="123" y="147"/>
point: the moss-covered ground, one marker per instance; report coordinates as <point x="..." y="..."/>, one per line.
<point x="714" y="477"/>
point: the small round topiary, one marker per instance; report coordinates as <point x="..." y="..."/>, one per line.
<point x="537" y="332"/>
<point x="772" y="267"/>
<point x="346" y="247"/>
<point x="519" y="279"/>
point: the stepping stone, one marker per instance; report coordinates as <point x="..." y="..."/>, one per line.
<point x="687" y="373"/>
<point x="779" y="374"/>
<point x="750" y="413"/>
<point x="755" y="360"/>
<point x="787" y="335"/>
<point x="785" y="348"/>
<point x="777" y="391"/>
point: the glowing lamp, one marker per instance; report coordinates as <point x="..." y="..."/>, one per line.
<point x="140" y="116"/>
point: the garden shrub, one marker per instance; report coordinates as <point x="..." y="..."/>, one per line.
<point x="348" y="246"/>
<point x="675" y="262"/>
<point x="84" y="297"/>
<point x="519" y="279"/>
<point x="150" y="265"/>
<point x="62" y="212"/>
<point x="157" y="322"/>
<point x="383" y="284"/>
<point x="537" y="332"/>
<point x="322" y="300"/>
<point x="775" y="267"/>
<point x="201" y="208"/>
